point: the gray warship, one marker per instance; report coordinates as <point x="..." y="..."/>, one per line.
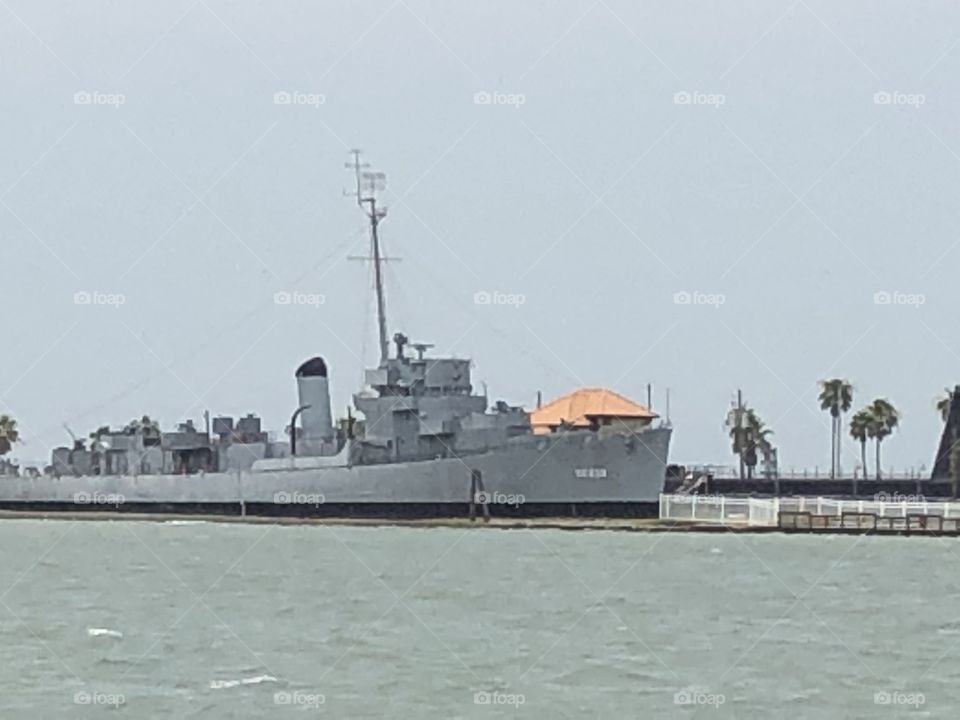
<point x="424" y="444"/>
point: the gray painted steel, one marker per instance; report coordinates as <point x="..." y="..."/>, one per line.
<point x="573" y="467"/>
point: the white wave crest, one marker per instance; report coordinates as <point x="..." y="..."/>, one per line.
<point x="222" y="684"/>
<point x="104" y="632"/>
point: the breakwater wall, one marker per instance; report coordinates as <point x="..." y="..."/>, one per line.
<point x="822" y="487"/>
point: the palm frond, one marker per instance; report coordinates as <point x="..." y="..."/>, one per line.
<point x="836" y="395"/>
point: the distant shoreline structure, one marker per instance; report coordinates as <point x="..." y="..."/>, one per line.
<point x="885" y="515"/>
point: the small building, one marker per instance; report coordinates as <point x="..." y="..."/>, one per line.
<point x="591" y="408"/>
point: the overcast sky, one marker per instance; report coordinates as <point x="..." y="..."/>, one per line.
<point x="777" y="164"/>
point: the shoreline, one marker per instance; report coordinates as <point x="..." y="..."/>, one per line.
<point x="495" y="523"/>
<point x="568" y="524"/>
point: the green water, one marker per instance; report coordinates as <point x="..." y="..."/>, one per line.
<point x="144" y="620"/>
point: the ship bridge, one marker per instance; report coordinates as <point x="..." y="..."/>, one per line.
<point x="424" y="407"/>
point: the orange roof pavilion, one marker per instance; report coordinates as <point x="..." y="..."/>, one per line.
<point x="587" y="407"/>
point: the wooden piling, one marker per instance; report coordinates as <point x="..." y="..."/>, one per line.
<point x="476" y="488"/>
<point x="472" y="512"/>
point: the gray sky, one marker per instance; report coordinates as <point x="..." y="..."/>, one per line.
<point x="628" y="152"/>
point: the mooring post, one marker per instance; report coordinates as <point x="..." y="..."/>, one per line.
<point x="476" y="485"/>
<point x="474" y="476"/>
<point x="243" y="502"/>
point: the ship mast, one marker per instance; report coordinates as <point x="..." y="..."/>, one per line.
<point x="368" y="183"/>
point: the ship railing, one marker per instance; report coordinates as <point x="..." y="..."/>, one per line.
<point x="855" y="473"/>
<point x="764" y="512"/>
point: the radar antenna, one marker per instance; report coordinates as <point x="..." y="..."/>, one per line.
<point x="368" y="184"/>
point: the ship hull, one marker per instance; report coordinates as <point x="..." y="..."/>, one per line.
<point x="575" y="473"/>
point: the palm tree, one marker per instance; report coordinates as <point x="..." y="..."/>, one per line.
<point x="738" y="425"/>
<point x="758" y="440"/>
<point x="761" y="438"/>
<point x="884" y="418"/>
<point x="749" y="436"/>
<point x="8" y="434"/>
<point x="943" y="404"/>
<point x="750" y="457"/>
<point x="836" y="396"/>
<point x="860" y="425"/>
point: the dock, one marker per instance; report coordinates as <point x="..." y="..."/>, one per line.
<point x="868" y="522"/>
<point x="884" y="515"/>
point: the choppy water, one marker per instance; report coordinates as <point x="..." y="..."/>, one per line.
<point x="140" y="620"/>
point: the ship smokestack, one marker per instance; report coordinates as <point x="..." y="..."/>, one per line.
<point x="313" y="391"/>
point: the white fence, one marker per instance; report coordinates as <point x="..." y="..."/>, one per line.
<point x="720" y="509"/>
<point x="763" y="512"/>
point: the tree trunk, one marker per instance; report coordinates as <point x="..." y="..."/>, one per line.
<point x="863" y="457"/>
<point x="879" y="476"/>
<point x="839" y="444"/>
<point x="854" y="481"/>
<point x="833" y="446"/>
